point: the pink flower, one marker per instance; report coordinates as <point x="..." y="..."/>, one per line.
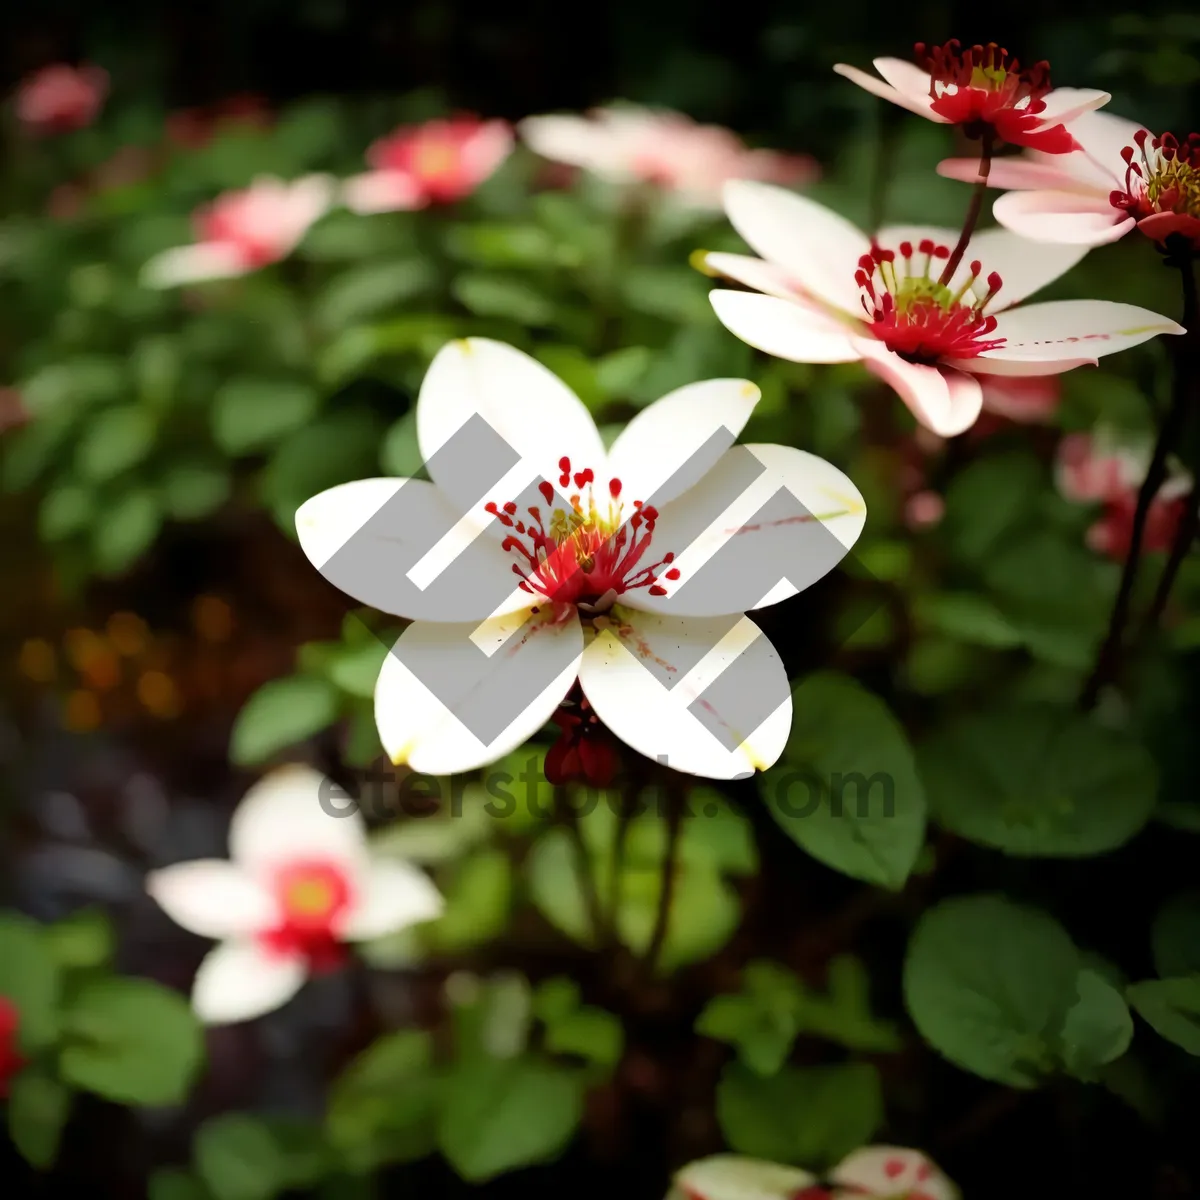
<point x="1027" y="399"/>
<point x="924" y="509"/>
<point x="983" y="90"/>
<point x="663" y="148"/>
<point x="11" y="1060"/>
<point x="13" y="413"/>
<point x="1119" y="178"/>
<point x="439" y="162"/>
<point x="243" y="231"/>
<point x="1098" y="468"/>
<point x="832" y="294"/>
<point x="59" y="98"/>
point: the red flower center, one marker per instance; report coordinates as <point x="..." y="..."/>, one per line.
<point x="587" y="554"/>
<point x="1162" y="175"/>
<point x="919" y="318"/>
<point x="313" y="899"/>
<point x="984" y="88"/>
<point x="584" y="751"/>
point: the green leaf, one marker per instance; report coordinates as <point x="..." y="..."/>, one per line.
<point x="990" y="499"/>
<point x="381" y="1107"/>
<point x="29" y="980"/>
<point x="618" y="372"/>
<point x="762" y="1033"/>
<point x="717" y="833"/>
<point x="489" y="295"/>
<point x="499" y="1114"/>
<point x="249" y="414"/>
<point x="74" y="385"/>
<point x="131" y="1041"/>
<point x="843" y="1014"/>
<point x="1175" y="937"/>
<point x="846" y="742"/>
<point x="66" y="510"/>
<point x="589" y="1033"/>
<point x="355" y="669"/>
<point x="1098" y="1026"/>
<point x="968" y="617"/>
<point x="305" y="1156"/>
<point x="193" y="490"/>
<point x="114" y="441"/>
<point x="367" y="289"/>
<point x="82" y="941"/>
<point x="401" y="453"/>
<point x="237" y="1158"/>
<point x="676" y="294"/>
<point x="170" y="1183"/>
<point x="989" y="983"/>
<point x="478" y="901"/>
<point x="280" y="714"/>
<point x="125" y="529"/>
<point x="38" y="1107"/>
<point x="812" y="1115"/>
<point x="555" y="998"/>
<point x="502" y="244"/>
<point x="1038" y="781"/>
<point x="1171" y="1007"/>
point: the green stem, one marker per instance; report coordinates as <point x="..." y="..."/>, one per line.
<point x="670" y="869"/>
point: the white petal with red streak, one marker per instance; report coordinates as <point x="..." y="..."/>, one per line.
<point x="830" y="517"/>
<point x="653" y="455"/>
<point x="392" y="896"/>
<point x="535" y="413"/>
<point x="1062" y="329"/>
<point x="819" y="248"/>
<point x="635" y="704"/>
<point x="1060" y="217"/>
<point x="238" y="981"/>
<point x="213" y="897"/>
<point x="893" y="1171"/>
<point x="281" y="820"/>
<point x="885" y="91"/>
<point x="419" y="727"/>
<point x="783" y="328"/>
<point x="944" y="400"/>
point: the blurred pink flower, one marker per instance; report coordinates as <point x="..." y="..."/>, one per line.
<point x="13" y="413"/>
<point x="1098" y="468"/>
<point x="924" y="509"/>
<point x="59" y="98"/>
<point x="439" y="162"/>
<point x="1027" y="399"/>
<point x="667" y="149"/>
<point x="192" y="128"/>
<point x="243" y="231"/>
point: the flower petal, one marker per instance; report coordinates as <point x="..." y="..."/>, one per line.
<point x="213" y="898"/>
<point x="816" y="246"/>
<point x="734" y="1177"/>
<point x="195" y="264"/>
<point x="943" y="400"/>
<point x="1063" y="105"/>
<point x="238" y="981"/>
<point x="885" y="91"/>
<point x="1066" y="218"/>
<point x="1060" y="329"/>
<point x="656" y="455"/>
<point x="645" y="683"/>
<point x="482" y="707"/>
<point x="288" y="816"/>
<point x="528" y="406"/>
<point x="366" y="537"/>
<point x="393" y="895"/>
<point x="784" y="328"/>
<point x="759" y="274"/>
<point x="574" y="140"/>
<point x="382" y="191"/>
<point x="906" y="77"/>
<point x="1024" y="266"/>
<point x="893" y="1171"/>
<point x="1103" y="136"/>
<point x="1021" y="174"/>
<point x="765" y="523"/>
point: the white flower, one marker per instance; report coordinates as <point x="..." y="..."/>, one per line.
<point x="595" y="573"/>
<point x="736" y="1177"/>
<point x="889" y="1171"/>
<point x="835" y="295"/>
<point x="240" y="232"/>
<point x="298" y="884"/>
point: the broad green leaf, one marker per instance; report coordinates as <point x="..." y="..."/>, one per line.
<point x="193" y="490"/>
<point x="113" y="441"/>
<point x="29" y="980"/>
<point x="990" y="499"/>
<point x="1038" y="781"/>
<point x="280" y="714"/>
<point x="619" y="371"/>
<point x="676" y="294"/>
<point x="803" y="1115"/>
<point x="478" y="900"/>
<point x="490" y="295"/>
<point x="66" y="510"/>
<point x="74" y="385"/>
<point x="381" y="1107"/>
<point x="843" y="1013"/>
<point x="497" y="1115"/>
<point x="589" y="1033"/>
<point x="355" y="669"/>
<point x="131" y="1041"/>
<point x="847" y="790"/>
<point x="1098" y="1026"/>
<point x="762" y="1033"/>
<point x="502" y="244"/>
<point x="237" y="1158"/>
<point x="555" y="998"/>
<point x="250" y="414"/>
<point x="989" y="983"/>
<point x="82" y="941"/>
<point x="1171" y="1007"/>
<point x="401" y="453"/>
<point x="1175" y="937"/>
<point x="38" y="1107"/>
<point x="370" y="288"/>
<point x="171" y="1183"/>
<point x="968" y="617"/>
<point x="125" y="529"/>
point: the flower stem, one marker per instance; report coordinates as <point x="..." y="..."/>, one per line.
<point x="628" y="807"/>
<point x="1109" y="659"/>
<point x="676" y="806"/>
<point x="973" y="211"/>
<point x="565" y="812"/>
<point x="1185" y="536"/>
